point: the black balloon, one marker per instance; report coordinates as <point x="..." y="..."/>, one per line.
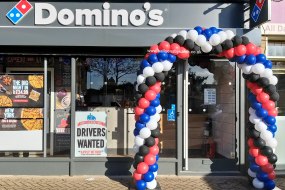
<point x="227" y="44"/>
<point x="138" y="158"/>
<point x="143" y="88"/>
<point x="159" y="76"/>
<point x="149" y="141"/>
<point x="245" y="40"/>
<point x="270" y="89"/>
<point x="143" y="150"/>
<point x="138" y="96"/>
<point x="135" y="165"/>
<point x="263" y="82"/>
<point x="169" y="39"/>
<point x="237" y="40"/>
<point x="179" y="39"/>
<point x="246" y="76"/>
<point x="155" y="133"/>
<point x="217" y="49"/>
<point x="274" y="96"/>
<point x="254" y="133"/>
<point x="149" y="81"/>
<point x="189" y="44"/>
<point x="165" y="73"/>
<point x="272" y="159"/>
<point x="266" y="151"/>
<point x="259" y="142"/>
<point x="254" y="77"/>
<point x="197" y="49"/>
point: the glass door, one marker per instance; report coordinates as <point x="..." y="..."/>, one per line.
<point x="210" y="123"/>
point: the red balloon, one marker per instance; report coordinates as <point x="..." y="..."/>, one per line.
<point x="146" y="56"/>
<point x="138" y="110"/>
<point x="240" y="50"/>
<point x="137" y="176"/>
<point x="154" y="150"/>
<point x="249" y="84"/>
<point x="156" y="141"/>
<point x="273" y="112"/>
<point x="142" y="168"/>
<point x="164" y="46"/>
<point x="150" y="159"/>
<point x="230" y="53"/>
<point x="158" y="83"/>
<point x="268" y="168"/>
<point x="254" y="152"/>
<point x="250" y="49"/>
<point x="261" y="160"/>
<point x="156" y="88"/>
<point x="250" y="142"/>
<point x="143" y="103"/>
<point x="154" y="49"/>
<point x="255" y="89"/>
<point x="184" y="53"/>
<point x="174" y="48"/>
<point x="272" y="175"/>
<point x="263" y="97"/>
<point x="150" y="95"/>
<point x="257" y="51"/>
<point x="269" y="105"/>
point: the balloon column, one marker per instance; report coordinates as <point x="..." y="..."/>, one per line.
<point x="257" y="70"/>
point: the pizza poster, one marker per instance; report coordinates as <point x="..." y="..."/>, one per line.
<point x="90" y="134"/>
<point x="21" y="90"/>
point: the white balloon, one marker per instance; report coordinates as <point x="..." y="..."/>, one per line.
<point x="240" y="65"/>
<point x="140" y="79"/>
<point x="152" y="184"/>
<point x="223" y="36"/>
<point x="201" y="40"/>
<point x="206" y="48"/>
<point x="273" y="80"/>
<point x="183" y="33"/>
<point x="192" y="35"/>
<point x="254" y="119"/>
<point x="267" y="73"/>
<point x="173" y="35"/>
<point x="261" y="126"/>
<point x="251" y="173"/>
<point x="167" y="65"/>
<point x="258" y="68"/>
<point x="230" y="34"/>
<point x="266" y="135"/>
<point x="148" y="71"/>
<point x="136" y="148"/>
<point x="273" y="149"/>
<point x="158" y="67"/>
<point x="272" y="143"/>
<point x="155" y="174"/>
<point x="215" y="39"/>
<point x="257" y="184"/>
<point x="246" y="69"/>
<point x="251" y="110"/>
<point x="139" y="141"/>
<point x="158" y="109"/>
<point x="145" y="133"/>
<point x="152" y="125"/>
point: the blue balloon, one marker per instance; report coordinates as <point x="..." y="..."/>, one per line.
<point x="162" y="56"/>
<point x="262" y="113"/>
<point x="254" y="167"/>
<point x="145" y="64"/>
<point x="144" y="118"/>
<point x="139" y="125"/>
<point x="260" y="58"/>
<point x="250" y="59"/>
<point x="150" y="110"/>
<point x="148" y="177"/>
<point x="251" y="158"/>
<point x="251" y="97"/>
<point x="155" y="102"/>
<point x="152" y="58"/>
<point x="136" y="132"/>
<point x="199" y="29"/>
<point x="158" y="95"/>
<point x="141" y="185"/>
<point x="207" y="33"/>
<point x="256" y="105"/>
<point x="270" y="120"/>
<point x="268" y="64"/>
<point x="272" y="128"/>
<point x="153" y="168"/>
<point x="262" y="176"/>
<point x="171" y="58"/>
<point x="157" y="157"/>
<point x="214" y="30"/>
<point x="269" y="185"/>
<point x="240" y="59"/>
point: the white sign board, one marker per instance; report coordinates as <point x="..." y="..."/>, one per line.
<point x="209" y="96"/>
<point x="90" y="134"/>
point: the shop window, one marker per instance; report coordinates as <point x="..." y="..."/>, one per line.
<point x="276" y="48"/>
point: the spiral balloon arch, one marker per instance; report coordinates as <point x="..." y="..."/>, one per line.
<point x="257" y="71"/>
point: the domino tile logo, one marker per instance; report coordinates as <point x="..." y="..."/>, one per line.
<point x="19" y="11"/>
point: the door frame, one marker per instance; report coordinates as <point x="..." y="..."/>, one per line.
<point x="52" y="97"/>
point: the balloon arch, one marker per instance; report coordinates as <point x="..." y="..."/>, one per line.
<point x="257" y="71"/>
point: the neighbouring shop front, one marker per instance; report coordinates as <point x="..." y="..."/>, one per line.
<point x="65" y="65"/>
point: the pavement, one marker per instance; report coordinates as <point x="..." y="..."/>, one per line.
<point x="121" y="183"/>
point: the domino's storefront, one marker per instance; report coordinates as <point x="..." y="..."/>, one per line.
<point x="66" y="64"/>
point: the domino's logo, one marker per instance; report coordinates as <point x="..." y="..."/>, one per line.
<point x="257" y="9"/>
<point x="19" y="11"/>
